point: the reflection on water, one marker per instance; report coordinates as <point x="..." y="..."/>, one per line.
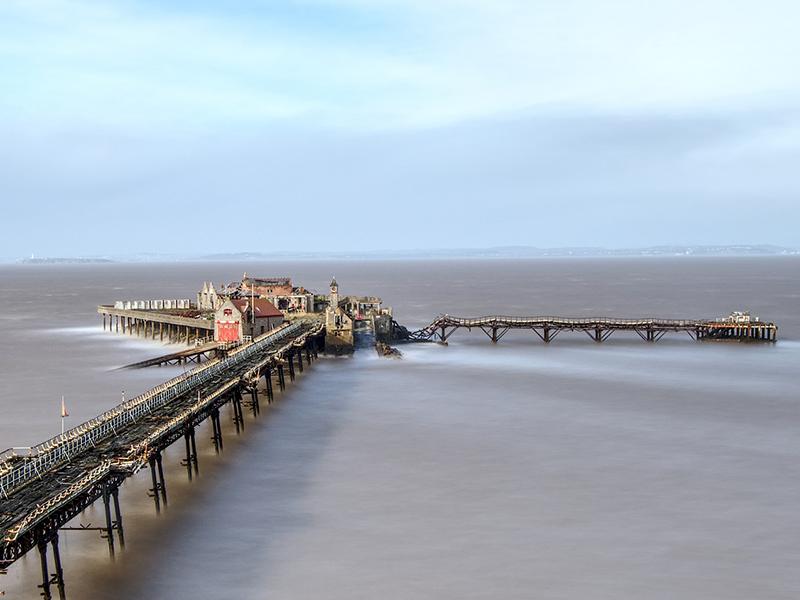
<point x="574" y="470"/>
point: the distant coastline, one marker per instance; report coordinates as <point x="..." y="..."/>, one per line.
<point x="64" y="261"/>
<point x="498" y="252"/>
<point x="518" y="252"/>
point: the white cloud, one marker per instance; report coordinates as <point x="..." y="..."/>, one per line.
<point x="440" y="61"/>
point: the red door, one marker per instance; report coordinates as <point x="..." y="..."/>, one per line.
<point x="227" y="331"/>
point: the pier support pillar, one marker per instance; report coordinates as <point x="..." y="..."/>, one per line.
<point x="281" y="379"/>
<point x="191" y="452"/>
<point x="194" y="452"/>
<point x="300" y="359"/>
<point x="188" y="460"/>
<point x="153" y="477"/>
<point x="58" y="576"/>
<point x="118" y="517"/>
<point x="45" y="573"/>
<point x="109" y="522"/>
<point x="217" y="428"/>
<point x="162" y="482"/>
<point x="291" y="367"/>
<point x="268" y="381"/>
<point x="238" y="418"/>
<point x="254" y="400"/>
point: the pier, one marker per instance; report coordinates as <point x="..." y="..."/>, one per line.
<point x="157" y="324"/>
<point x="196" y="355"/>
<point x="737" y="326"/>
<point x="42" y="488"/>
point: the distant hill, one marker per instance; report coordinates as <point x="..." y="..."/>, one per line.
<point x="439" y="253"/>
<point x="515" y="252"/>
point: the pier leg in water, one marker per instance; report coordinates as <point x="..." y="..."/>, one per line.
<point x="238" y="417"/>
<point x="254" y="397"/>
<point x="300" y="360"/>
<point x="217" y="435"/>
<point x="162" y="482"/>
<point x="45" y="574"/>
<point x="188" y="460"/>
<point x="109" y="522"/>
<point x="154" y="489"/>
<point x="268" y="381"/>
<point x="59" y="574"/>
<point x="281" y="379"/>
<point x="235" y="413"/>
<point x="118" y="516"/>
<point x="194" y="452"/>
<point x="291" y="367"/>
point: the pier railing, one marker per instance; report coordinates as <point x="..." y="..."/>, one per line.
<point x="16" y="469"/>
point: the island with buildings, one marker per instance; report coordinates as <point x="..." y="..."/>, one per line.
<point x="229" y="314"/>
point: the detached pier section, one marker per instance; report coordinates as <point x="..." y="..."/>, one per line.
<point x="737" y="326"/>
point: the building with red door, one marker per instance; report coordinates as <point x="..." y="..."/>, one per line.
<point x="238" y="318"/>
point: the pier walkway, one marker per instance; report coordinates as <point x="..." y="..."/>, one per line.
<point x="738" y="326"/>
<point x="158" y="325"/>
<point x="197" y="354"/>
<point x="41" y="489"/>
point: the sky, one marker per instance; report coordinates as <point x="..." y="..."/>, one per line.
<point x="198" y="126"/>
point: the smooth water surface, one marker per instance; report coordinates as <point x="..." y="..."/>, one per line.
<point x="518" y="470"/>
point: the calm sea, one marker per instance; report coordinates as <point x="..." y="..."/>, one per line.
<point x="575" y="470"/>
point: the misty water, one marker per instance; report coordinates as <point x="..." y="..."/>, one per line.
<point x="571" y="470"/>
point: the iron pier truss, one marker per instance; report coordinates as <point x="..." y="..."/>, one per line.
<point x="43" y="488"/>
<point x="738" y="326"/>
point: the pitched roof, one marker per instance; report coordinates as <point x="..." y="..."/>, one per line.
<point x="263" y="308"/>
<point x="267" y="280"/>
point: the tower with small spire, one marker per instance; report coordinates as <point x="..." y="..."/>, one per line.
<point x="334" y="295"/>
<point x="338" y="325"/>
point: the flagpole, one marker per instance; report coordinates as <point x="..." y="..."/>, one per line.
<point x="63" y="410"/>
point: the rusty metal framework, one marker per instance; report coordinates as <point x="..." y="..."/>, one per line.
<point x="598" y="329"/>
<point x="43" y="489"/>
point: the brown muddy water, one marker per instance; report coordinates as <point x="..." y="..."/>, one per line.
<point x="621" y="470"/>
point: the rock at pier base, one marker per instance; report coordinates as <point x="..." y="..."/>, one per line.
<point x="387" y="350"/>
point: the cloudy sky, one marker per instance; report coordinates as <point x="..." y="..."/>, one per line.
<point x="204" y="126"/>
